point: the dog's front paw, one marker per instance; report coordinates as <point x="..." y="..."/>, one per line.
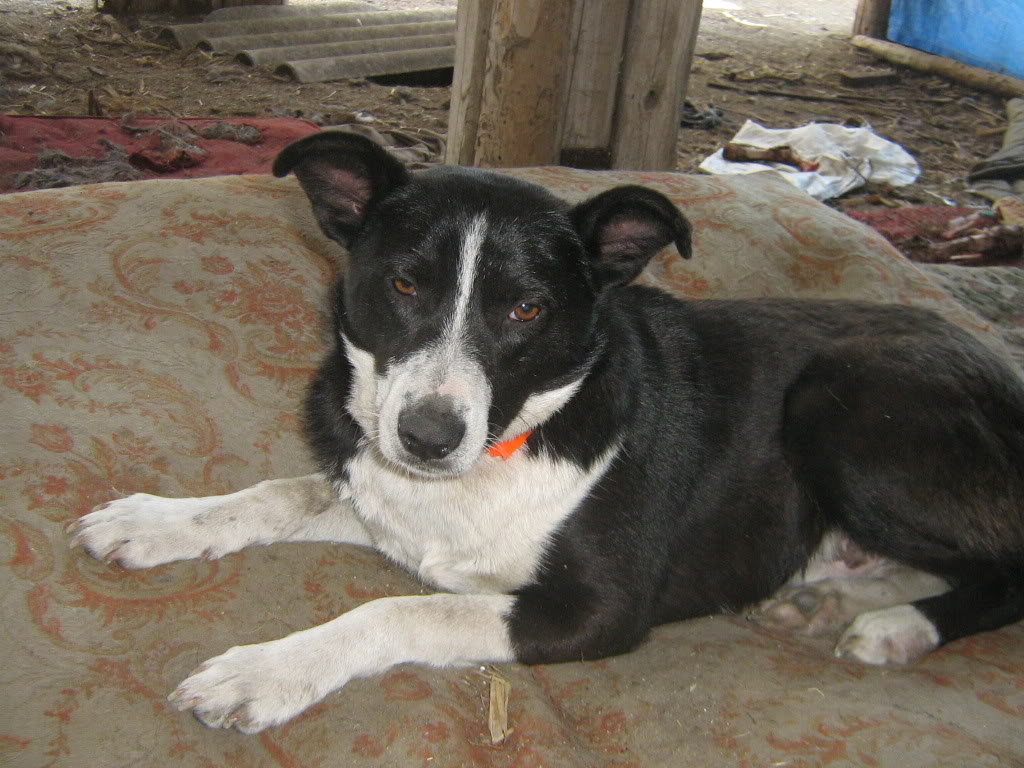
<point x="141" y="531"/>
<point x="895" y="635"/>
<point x="251" y="687"/>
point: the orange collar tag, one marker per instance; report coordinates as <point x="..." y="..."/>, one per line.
<point x="506" y="448"/>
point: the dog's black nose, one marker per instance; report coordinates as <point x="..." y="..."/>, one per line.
<point x="431" y="429"/>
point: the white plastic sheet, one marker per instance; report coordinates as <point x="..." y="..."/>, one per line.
<point x="846" y="158"/>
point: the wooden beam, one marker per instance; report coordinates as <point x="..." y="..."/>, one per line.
<point x="655" y="69"/>
<point x="974" y="77"/>
<point x="872" y="18"/>
<point x="522" y="105"/>
<point x="604" y="79"/>
<point x="597" y="44"/>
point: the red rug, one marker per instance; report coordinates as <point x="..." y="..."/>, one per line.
<point x="153" y="147"/>
<point x="902" y="225"/>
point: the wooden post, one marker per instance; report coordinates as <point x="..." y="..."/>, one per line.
<point x="510" y="109"/>
<point x="872" y="18"/>
<point x="472" y="32"/>
<point x="600" y="35"/>
<point x="655" y="69"/>
<point x="523" y="100"/>
<point x="539" y="80"/>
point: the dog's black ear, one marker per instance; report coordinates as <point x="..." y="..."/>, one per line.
<point x="623" y="228"/>
<point x="344" y="176"/>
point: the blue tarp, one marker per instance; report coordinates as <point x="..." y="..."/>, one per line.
<point x="983" y="33"/>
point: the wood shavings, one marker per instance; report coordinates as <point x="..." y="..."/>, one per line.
<point x="1011" y="211"/>
<point x="497" y="711"/>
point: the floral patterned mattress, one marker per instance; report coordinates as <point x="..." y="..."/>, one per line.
<point x="157" y="336"/>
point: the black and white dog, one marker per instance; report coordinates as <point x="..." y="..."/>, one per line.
<point x="572" y="461"/>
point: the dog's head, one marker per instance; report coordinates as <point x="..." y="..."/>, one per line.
<point x="469" y="308"/>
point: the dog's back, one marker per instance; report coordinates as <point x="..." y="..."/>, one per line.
<point x="759" y="426"/>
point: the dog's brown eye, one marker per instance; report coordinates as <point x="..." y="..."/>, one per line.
<point x="404" y="287"/>
<point x="525" y="312"/>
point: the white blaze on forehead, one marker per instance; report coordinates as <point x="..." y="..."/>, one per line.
<point x="469" y="261"/>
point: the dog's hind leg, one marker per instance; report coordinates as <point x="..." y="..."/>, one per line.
<point x="902" y="633"/>
<point x="912" y="447"/>
<point x="141" y="530"/>
<point x="839" y="583"/>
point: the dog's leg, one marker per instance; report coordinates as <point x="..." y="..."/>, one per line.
<point x="903" y="633"/>
<point x="251" y="687"/>
<point x="839" y="583"/>
<point x="141" y="531"/>
<point x="913" y="450"/>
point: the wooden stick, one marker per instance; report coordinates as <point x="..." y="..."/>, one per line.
<point x="983" y="111"/>
<point x="839" y="97"/>
<point x="998" y="242"/>
<point x="741" y="153"/>
<point x="974" y="77"/>
<point x="774" y="92"/>
<point x="497" y="710"/>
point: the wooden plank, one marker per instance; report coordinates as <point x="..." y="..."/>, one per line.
<point x="473" y="30"/>
<point x="975" y="77"/>
<point x="661" y="38"/>
<point x="523" y="102"/>
<point x="598" y="40"/>
<point x="872" y="18"/>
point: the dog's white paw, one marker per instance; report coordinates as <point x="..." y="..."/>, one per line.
<point x="141" y="531"/>
<point x="251" y="687"/>
<point x="896" y="635"/>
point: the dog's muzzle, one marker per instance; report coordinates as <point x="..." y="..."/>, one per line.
<point x="432" y="428"/>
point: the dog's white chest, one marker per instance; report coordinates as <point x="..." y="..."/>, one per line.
<point x="483" y="531"/>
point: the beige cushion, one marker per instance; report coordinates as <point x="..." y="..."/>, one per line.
<point x="157" y="336"/>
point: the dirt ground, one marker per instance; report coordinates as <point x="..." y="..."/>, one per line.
<point x="775" y="62"/>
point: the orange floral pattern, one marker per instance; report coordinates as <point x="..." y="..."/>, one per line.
<point x="157" y="337"/>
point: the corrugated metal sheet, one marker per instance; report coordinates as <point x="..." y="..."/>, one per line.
<point x="258" y="48"/>
<point x="368" y="64"/>
<point x="273" y="57"/>
<point x="271" y="11"/>
<point x="326" y="42"/>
